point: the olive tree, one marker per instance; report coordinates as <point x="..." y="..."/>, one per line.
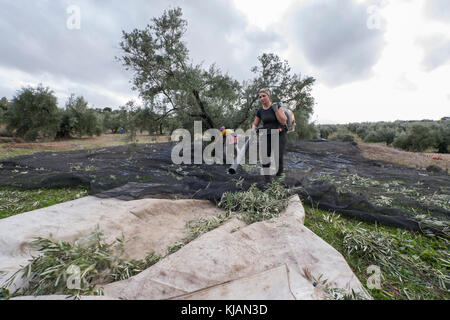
<point x="33" y="114"/>
<point x="4" y="105"/>
<point x="179" y="91"/>
<point x="78" y="120"/>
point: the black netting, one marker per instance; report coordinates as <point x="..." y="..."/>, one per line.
<point x="329" y="174"/>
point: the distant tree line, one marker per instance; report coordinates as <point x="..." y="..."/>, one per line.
<point x="414" y="136"/>
<point x="33" y="114"/>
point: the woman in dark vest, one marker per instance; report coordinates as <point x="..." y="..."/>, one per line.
<point x="273" y="117"/>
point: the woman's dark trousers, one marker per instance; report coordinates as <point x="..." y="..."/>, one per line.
<point x="282" y="147"/>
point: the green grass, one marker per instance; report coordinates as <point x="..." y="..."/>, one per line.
<point x="413" y="266"/>
<point x="14" y="201"/>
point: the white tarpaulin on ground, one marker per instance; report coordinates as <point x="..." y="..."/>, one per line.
<point x="147" y="225"/>
<point x="275" y="259"/>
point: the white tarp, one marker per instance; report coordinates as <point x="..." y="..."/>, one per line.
<point x="278" y="283"/>
<point x="234" y="251"/>
<point x="147" y="225"/>
<point x="274" y="259"/>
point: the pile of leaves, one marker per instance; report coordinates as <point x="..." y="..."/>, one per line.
<point x="250" y="206"/>
<point x="75" y="269"/>
<point x="257" y="205"/>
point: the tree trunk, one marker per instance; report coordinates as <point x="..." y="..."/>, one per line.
<point x="204" y="115"/>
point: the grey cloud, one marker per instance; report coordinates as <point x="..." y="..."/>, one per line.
<point x="438" y="9"/>
<point x="437" y="56"/>
<point x="334" y="37"/>
<point x="403" y="83"/>
<point x="436" y="50"/>
<point x="35" y="39"/>
<point x="217" y="33"/>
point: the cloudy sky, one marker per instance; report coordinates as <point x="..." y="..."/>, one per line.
<point x="373" y="60"/>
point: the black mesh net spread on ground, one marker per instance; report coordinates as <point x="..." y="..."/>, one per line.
<point x="331" y="175"/>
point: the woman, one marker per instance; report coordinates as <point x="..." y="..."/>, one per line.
<point x="273" y="117"/>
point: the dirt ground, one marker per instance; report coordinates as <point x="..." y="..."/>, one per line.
<point x="11" y="147"/>
<point x="419" y="160"/>
<point x="374" y="151"/>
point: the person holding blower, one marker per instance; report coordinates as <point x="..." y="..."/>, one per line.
<point x="273" y="117"/>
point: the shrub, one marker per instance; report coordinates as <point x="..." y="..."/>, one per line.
<point x="417" y="138"/>
<point x="383" y="134"/>
<point x="4" y="105"/>
<point x="342" y="135"/>
<point x="362" y="132"/>
<point x="442" y="136"/>
<point x="353" y="127"/>
<point x="303" y="129"/>
<point x="326" y="130"/>
<point x="77" y="119"/>
<point x="33" y="113"/>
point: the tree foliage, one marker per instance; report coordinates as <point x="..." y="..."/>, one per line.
<point x="78" y="120"/>
<point x="420" y="137"/>
<point x="326" y="130"/>
<point x="4" y="105"/>
<point x="342" y="134"/>
<point x="177" y="91"/>
<point x="383" y="134"/>
<point x="33" y="114"/>
<point x="441" y="136"/>
<point x="417" y="136"/>
<point x="114" y="120"/>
